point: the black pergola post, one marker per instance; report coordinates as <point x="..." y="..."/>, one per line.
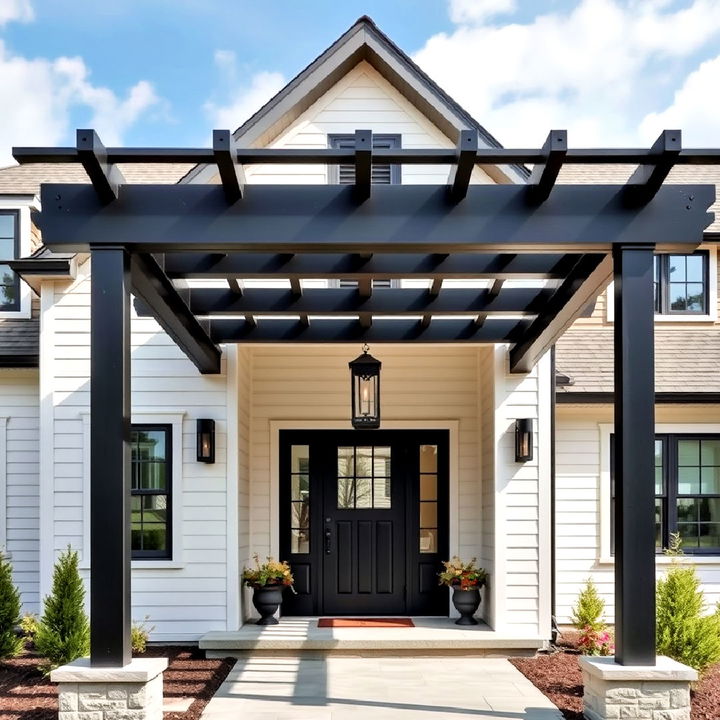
<point x="110" y="458"/>
<point x="634" y="453"/>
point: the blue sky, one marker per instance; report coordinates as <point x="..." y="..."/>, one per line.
<point x="165" y="72"/>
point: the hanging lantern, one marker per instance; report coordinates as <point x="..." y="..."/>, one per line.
<point x="365" y="390"/>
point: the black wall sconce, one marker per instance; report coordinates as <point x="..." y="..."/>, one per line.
<point x="523" y="440"/>
<point x="206" y="440"/>
<point x="365" y="390"/>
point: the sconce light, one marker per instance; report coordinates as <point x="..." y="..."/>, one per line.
<point x="206" y="440"/>
<point x="365" y="390"/>
<point x="523" y="440"/>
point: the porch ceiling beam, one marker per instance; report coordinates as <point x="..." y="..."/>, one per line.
<point x="646" y="181"/>
<point x="363" y="164"/>
<point x="236" y="286"/>
<point x="587" y="280"/>
<point x="346" y="330"/>
<point x="105" y="177"/>
<point x="401" y="218"/>
<point x="348" y="301"/>
<point x="543" y="177"/>
<point x="232" y="175"/>
<point x="156" y="291"/>
<point x="461" y="171"/>
<point x="353" y="267"/>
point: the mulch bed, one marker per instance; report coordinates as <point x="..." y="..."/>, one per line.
<point x="557" y="675"/>
<point x="26" y="695"/>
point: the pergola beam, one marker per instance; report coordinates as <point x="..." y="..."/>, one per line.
<point x="586" y="281"/>
<point x="646" y="181"/>
<point x="156" y="291"/>
<point x="349" y="330"/>
<point x="538" y="266"/>
<point x="231" y="174"/>
<point x="105" y="177"/>
<point x="461" y="171"/>
<point x="543" y="177"/>
<point x="401" y="218"/>
<point x="363" y="164"/>
<point x="349" y="301"/>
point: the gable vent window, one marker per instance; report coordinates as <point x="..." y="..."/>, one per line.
<point x="9" y="250"/>
<point x="381" y="175"/>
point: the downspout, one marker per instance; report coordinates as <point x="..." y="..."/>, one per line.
<point x="553" y="593"/>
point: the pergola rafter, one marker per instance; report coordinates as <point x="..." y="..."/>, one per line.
<point x="575" y="237"/>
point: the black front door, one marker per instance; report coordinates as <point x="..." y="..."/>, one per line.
<point x="364" y="521"/>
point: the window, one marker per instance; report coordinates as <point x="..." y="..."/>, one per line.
<point x="151" y="482"/>
<point x="364" y="479"/>
<point x="381" y="175"/>
<point x="681" y="284"/>
<point x="687" y="491"/>
<point x="9" y="250"/>
<point x="300" y="500"/>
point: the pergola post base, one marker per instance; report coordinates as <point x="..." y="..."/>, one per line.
<point x="656" y="692"/>
<point x="133" y="692"/>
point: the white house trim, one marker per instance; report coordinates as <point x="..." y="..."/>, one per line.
<point x="544" y="440"/>
<point x="145" y="416"/>
<point x="232" y="593"/>
<point x="606" y="430"/>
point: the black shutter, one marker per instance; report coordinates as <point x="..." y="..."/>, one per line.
<point x="381" y="174"/>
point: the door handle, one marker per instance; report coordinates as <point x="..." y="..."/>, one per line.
<point x="328" y="541"/>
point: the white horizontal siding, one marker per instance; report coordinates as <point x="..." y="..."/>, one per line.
<point x="20" y="532"/>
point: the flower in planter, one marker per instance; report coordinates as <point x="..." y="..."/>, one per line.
<point x="595" y="641"/>
<point x="464" y="576"/>
<point x="271" y="572"/>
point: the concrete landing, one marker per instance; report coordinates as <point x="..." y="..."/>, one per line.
<point x="340" y="688"/>
<point x="430" y="636"/>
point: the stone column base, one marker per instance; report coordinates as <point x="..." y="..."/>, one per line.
<point x="655" y="692"/>
<point x="133" y="692"/>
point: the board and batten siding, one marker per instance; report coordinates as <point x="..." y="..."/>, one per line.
<point x="19" y="480"/>
<point x="187" y="596"/>
<point x="578" y="491"/>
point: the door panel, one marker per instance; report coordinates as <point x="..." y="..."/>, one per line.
<point x="364" y="521"/>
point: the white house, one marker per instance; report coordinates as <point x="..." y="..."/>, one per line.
<point x="364" y="516"/>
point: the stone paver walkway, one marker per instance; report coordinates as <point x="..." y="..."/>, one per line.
<point x="381" y="688"/>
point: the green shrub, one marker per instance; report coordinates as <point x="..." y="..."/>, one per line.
<point x="684" y="633"/>
<point x="140" y="634"/>
<point x="29" y="625"/>
<point x="64" y="631"/>
<point x="10" y="643"/>
<point x="589" y="609"/>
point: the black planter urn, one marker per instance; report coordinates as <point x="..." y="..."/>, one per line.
<point x="466" y="602"/>
<point x="266" y="600"/>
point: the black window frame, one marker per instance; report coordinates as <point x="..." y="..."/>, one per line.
<point x="670" y="494"/>
<point x="663" y="281"/>
<point x="14" y="307"/>
<point x="167" y="554"/>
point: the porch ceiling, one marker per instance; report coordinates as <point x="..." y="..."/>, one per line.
<point x="561" y="235"/>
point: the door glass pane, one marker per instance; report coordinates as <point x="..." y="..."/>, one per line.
<point x="299" y="499"/>
<point x="346" y="461"/>
<point x="346" y="494"/>
<point x="300" y="459"/>
<point x="429" y="541"/>
<point x="300" y="487"/>
<point x="363" y="493"/>
<point x="381" y="462"/>
<point x="363" y="462"/>
<point x="381" y="492"/>
<point x="428" y="458"/>
<point x="299" y="541"/>
<point x="658" y="523"/>
<point x="428" y="514"/>
<point x="428" y="487"/>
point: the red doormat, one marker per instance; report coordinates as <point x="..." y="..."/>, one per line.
<point x="365" y="622"/>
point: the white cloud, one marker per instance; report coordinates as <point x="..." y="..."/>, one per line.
<point x="695" y="109"/>
<point x="476" y="11"/>
<point x="597" y="69"/>
<point x="246" y="95"/>
<point x="43" y="93"/>
<point x="15" y="10"/>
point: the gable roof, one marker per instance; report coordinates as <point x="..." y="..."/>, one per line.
<point x="363" y="41"/>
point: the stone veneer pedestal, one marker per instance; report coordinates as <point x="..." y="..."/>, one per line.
<point x="655" y="692"/>
<point x="133" y="692"/>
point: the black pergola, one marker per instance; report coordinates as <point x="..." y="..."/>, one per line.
<point x="142" y="238"/>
